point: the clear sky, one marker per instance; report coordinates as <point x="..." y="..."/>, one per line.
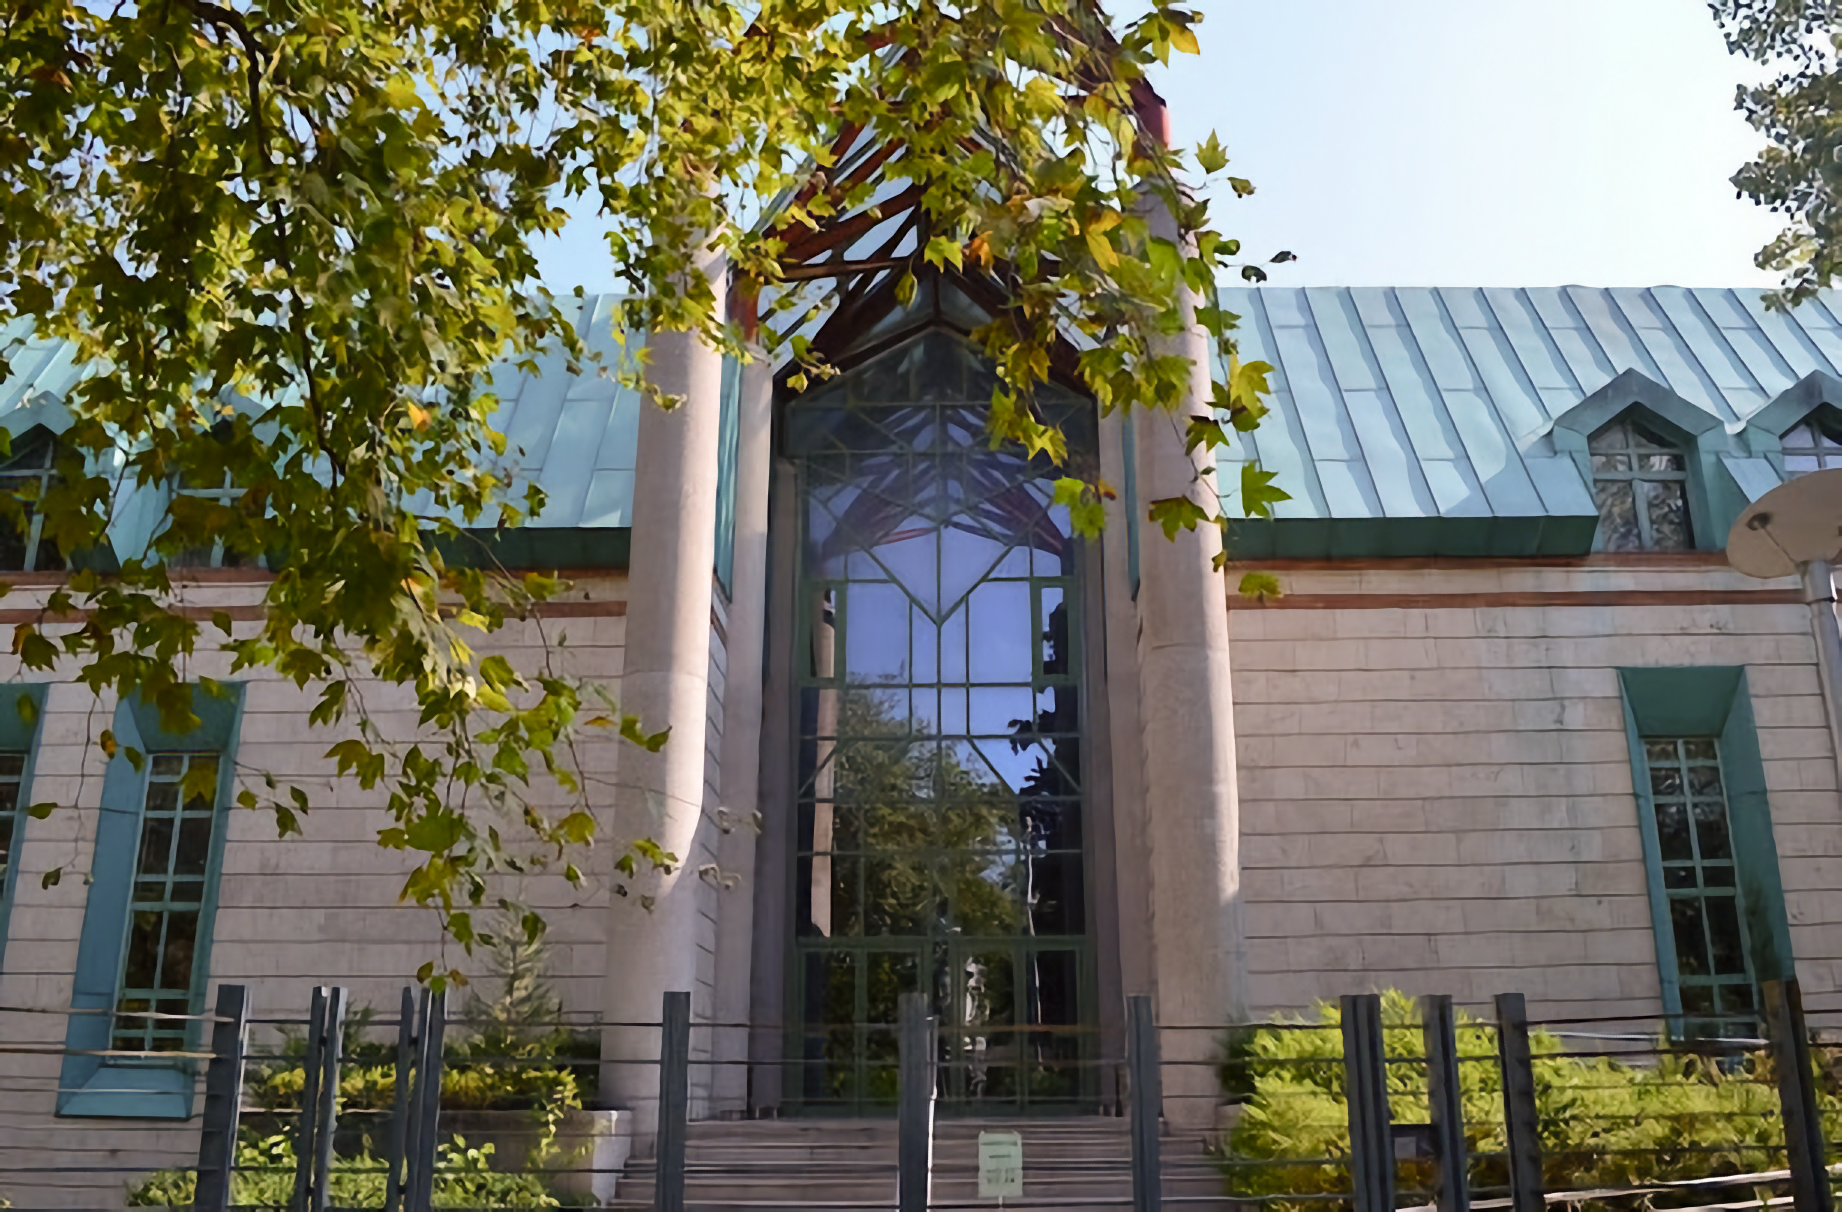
<point x="1458" y="142"/>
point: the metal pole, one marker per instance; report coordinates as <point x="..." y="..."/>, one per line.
<point x="305" y="1150"/>
<point x="1820" y="592"/>
<point x="217" y="1138"/>
<point x="1371" y="1130"/>
<point x="402" y="1109"/>
<point x="1521" y="1121"/>
<point x="1803" y="1126"/>
<point x="1145" y="1092"/>
<point x="914" y="1162"/>
<point x="674" y="1100"/>
<point x="421" y="1192"/>
<point x="327" y="1118"/>
<point x="1440" y="1030"/>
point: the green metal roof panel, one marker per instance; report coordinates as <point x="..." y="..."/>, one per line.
<point x="573" y="435"/>
<point x="1438" y="404"/>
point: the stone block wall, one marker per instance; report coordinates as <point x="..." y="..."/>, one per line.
<point x="292" y="912"/>
<point x="1435" y="784"/>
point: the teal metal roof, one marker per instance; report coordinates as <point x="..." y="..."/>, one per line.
<point x="573" y="435"/>
<point x="1444" y="421"/>
<point x="1424" y="421"/>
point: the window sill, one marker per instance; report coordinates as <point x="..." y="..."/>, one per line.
<point x="130" y="1092"/>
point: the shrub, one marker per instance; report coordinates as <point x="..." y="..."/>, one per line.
<point x="1604" y="1123"/>
<point x="464" y="1178"/>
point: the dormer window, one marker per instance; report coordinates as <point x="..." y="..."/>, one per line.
<point x="216" y="554"/>
<point x="1812" y="446"/>
<point x="1640" y="481"/>
<point x="26" y="478"/>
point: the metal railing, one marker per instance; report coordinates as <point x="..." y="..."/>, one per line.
<point x="1362" y="1061"/>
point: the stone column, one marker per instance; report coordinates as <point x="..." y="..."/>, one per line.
<point x="1820" y="592"/>
<point x="742" y="733"/>
<point x="1188" y="719"/>
<point x="659" y="929"/>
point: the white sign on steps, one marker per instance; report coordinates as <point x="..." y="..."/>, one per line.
<point x="1000" y="1165"/>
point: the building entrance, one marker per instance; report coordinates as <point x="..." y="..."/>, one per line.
<point x="940" y="714"/>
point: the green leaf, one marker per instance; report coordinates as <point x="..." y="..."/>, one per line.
<point x="435" y="832"/>
<point x="1177" y="513"/>
<point x="1258" y="493"/>
<point x="51" y="878"/>
<point x="39" y="812"/>
<point x="1101" y="248"/>
<point x="1260" y="586"/>
<point x="27" y="707"/>
<point x="1210" y="157"/>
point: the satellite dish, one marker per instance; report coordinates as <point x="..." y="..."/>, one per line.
<point x="1793" y="524"/>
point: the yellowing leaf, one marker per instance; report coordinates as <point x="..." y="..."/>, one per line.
<point x="1102" y="249"/>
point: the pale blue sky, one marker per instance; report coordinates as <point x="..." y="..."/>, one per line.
<point x="1458" y="142"/>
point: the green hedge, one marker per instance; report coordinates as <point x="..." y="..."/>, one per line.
<point x="1604" y="1123"/>
<point x="464" y="1178"/>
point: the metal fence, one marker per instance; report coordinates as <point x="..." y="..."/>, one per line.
<point x="1391" y="1105"/>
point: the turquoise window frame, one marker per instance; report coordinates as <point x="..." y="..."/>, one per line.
<point x="729" y="438"/>
<point x="91" y="1085"/>
<point x="1714" y="499"/>
<point x="1709" y="701"/>
<point x="20" y="728"/>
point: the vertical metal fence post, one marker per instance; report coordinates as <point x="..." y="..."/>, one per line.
<point x="217" y="1138"/>
<point x="674" y="1100"/>
<point x="1803" y="1125"/>
<point x="1521" y="1123"/>
<point x="402" y="1109"/>
<point x="306" y="1127"/>
<point x="1371" y="1129"/>
<point x="1440" y="1031"/>
<point x="420" y="1191"/>
<point x="326" y="1119"/>
<point x="914" y="1151"/>
<point x="1145" y="1092"/>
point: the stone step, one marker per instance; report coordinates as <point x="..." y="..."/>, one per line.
<point x="1070" y="1165"/>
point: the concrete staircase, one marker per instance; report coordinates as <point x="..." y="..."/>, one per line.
<point x="849" y="1165"/>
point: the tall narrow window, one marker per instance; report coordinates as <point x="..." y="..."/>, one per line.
<point x="1812" y="446"/>
<point x="12" y="770"/>
<point x="26" y="478"/>
<point x="177" y="822"/>
<point x="1640" y="481"/>
<point x="1713" y="962"/>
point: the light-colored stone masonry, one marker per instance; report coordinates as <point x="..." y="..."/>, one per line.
<point x="1439" y="798"/>
<point x="292" y="912"/>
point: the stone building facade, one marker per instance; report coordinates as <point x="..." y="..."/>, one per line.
<point x="1514" y="724"/>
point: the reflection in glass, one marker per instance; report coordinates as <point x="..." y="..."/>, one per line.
<point x="1814" y="444"/>
<point x="939" y="758"/>
<point x="1640" y="482"/>
<point x="1713" y="962"/>
<point x="179" y="815"/>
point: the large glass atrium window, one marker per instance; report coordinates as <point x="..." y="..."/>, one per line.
<point x="940" y="843"/>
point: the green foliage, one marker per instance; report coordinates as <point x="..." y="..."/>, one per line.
<point x="264" y="1178"/>
<point x="1799" y="111"/>
<point x="1604" y="1123"/>
<point x="292" y="238"/>
<point x="487" y="1068"/>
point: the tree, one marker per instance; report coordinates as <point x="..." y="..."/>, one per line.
<point x="1799" y="110"/>
<point x="296" y="234"/>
